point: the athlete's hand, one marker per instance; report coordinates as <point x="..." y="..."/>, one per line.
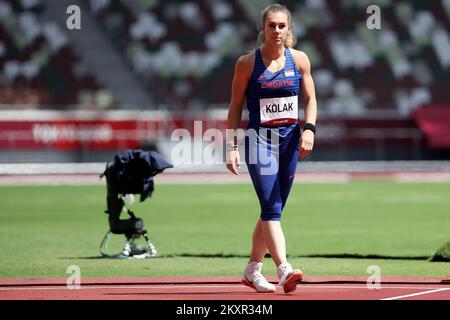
<point x="233" y="161"/>
<point x="306" y="143"/>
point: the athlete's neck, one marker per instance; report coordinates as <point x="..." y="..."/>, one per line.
<point x="272" y="52"/>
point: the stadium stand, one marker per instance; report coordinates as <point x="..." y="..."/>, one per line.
<point x="38" y="65"/>
<point x="156" y="65"/>
<point x="185" y="51"/>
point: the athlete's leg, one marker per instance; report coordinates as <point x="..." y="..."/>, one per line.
<point x="267" y="188"/>
<point x="264" y="171"/>
<point x="274" y="239"/>
<point x="288" y="276"/>
<point x="259" y="246"/>
<point x="264" y="186"/>
<point x="288" y="165"/>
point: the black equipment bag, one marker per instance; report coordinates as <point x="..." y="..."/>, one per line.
<point x="131" y="172"/>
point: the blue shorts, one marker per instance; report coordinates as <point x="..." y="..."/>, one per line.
<point x="271" y="155"/>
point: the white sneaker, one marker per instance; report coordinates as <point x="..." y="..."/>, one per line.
<point x="289" y="278"/>
<point x="254" y="279"/>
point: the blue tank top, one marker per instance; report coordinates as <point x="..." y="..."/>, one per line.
<point x="272" y="97"/>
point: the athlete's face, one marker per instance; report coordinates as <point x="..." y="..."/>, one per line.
<point x="276" y="27"/>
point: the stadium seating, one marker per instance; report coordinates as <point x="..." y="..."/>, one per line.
<point x="38" y="66"/>
<point x="184" y="51"/>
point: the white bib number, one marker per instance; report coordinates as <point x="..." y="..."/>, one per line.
<point x="278" y="111"/>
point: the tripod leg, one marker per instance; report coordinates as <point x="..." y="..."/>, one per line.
<point x="150" y="246"/>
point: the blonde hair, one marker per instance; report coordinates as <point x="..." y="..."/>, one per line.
<point x="290" y="40"/>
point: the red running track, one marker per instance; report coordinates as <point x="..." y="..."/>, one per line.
<point x="222" y="288"/>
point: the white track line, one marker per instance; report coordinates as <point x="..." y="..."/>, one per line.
<point x="416" y="294"/>
<point x="120" y="287"/>
<point x="175" y="286"/>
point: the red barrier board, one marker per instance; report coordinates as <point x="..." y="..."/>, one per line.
<point x="69" y="134"/>
<point x="434" y="121"/>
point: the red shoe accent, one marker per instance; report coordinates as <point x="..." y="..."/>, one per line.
<point x="249" y="284"/>
<point x="292" y="280"/>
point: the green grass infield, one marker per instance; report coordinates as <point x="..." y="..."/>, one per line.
<point x="205" y="230"/>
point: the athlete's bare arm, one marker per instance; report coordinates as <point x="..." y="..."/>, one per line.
<point x="309" y="97"/>
<point x="242" y="73"/>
